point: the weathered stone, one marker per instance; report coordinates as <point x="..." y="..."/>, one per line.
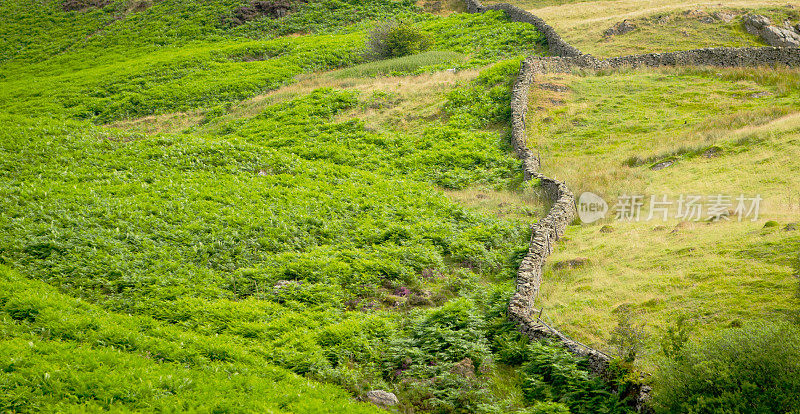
<point x="620" y="28"/>
<point x="780" y="37"/>
<point x="382" y="398"/>
<point x="606" y="229"/>
<point x="773" y="35"/>
<point x="753" y="23"/>
<point x="661" y="165"/>
<point x="792" y="227"/>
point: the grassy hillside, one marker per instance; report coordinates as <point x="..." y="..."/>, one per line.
<point x="205" y="216"/>
<point x="201" y="213"/>
<point x="731" y="131"/>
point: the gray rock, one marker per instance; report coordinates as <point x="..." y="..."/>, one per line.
<point x="780" y="37"/>
<point x="382" y="398"/>
<point x="661" y="165"/>
<point x="754" y="23"/>
<point x="797" y="28"/>
<point x="773" y="35"/>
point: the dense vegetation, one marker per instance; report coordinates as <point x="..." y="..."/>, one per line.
<point x="291" y="247"/>
<point x="244" y="251"/>
<point x="745" y="370"/>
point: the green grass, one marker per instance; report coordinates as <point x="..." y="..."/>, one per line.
<point x="62" y="353"/>
<point x="403" y="65"/>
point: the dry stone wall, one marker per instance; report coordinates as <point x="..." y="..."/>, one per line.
<point x="552" y="227"/>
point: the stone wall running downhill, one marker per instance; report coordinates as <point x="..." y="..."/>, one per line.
<point x="547" y="231"/>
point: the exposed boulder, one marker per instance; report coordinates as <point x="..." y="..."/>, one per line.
<point x="774" y="36"/>
<point x="754" y="23"/>
<point x="780" y="37"/>
<point x="620" y="28"/>
<point x="382" y="398"/>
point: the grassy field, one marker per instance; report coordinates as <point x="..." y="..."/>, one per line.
<point x="731" y="131"/>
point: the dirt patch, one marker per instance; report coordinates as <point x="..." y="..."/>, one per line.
<point x="83" y="5"/>
<point x="258" y="9"/>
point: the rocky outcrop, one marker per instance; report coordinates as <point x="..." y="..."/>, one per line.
<point x="774" y="35"/>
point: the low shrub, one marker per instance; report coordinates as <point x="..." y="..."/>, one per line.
<point x="396" y="39"/>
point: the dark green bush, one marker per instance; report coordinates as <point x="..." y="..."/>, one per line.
<point x="393" y="39"/>
<point x="753" y="369"/>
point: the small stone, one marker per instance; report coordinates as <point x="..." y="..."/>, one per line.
<point x="571" y="264"/>
<point x="606" y="229"/>
<point x="661" y="165"/>
<point x="382" y="398"/>
<point x="792" y="227"/>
